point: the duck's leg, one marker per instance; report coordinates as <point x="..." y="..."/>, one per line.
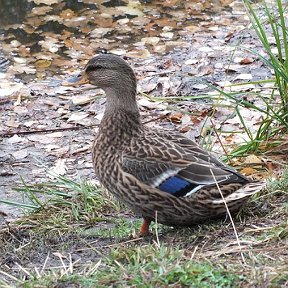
<point x="144" y="230"/>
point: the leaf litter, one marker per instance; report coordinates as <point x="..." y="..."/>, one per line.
<point x="170" y="56"/>
<point x="173" y="46"/>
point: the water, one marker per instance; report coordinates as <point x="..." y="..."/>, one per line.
<point x="76" y="30"/>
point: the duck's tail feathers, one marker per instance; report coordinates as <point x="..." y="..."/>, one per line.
<point x="242" y="192"/>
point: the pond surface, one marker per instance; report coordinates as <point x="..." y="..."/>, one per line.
<point x="48" y="36"/>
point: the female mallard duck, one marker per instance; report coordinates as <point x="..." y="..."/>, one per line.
<point x="157" y="173"/>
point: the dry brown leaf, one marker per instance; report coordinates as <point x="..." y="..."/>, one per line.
<point x="41" y="10"/>
<point x="67" y="14"/>
<point x="140" y="53"/>
<point x="43" y="63"/>
<point x="175" y="117"/>
<point x="248" y="171"/>
<point x="252" y="159"/>
<point x="246" y="61"/>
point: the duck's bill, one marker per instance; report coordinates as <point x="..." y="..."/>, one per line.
<point x="76" y="80"/>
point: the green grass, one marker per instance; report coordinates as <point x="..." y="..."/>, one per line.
<point x="122" y="228"/>
<point x="70" y="200"/>
<point x="147" y="266"/>
<point x="153" y="266"/>
<point x="280" y="183"/>
<point x="93" y="240"/>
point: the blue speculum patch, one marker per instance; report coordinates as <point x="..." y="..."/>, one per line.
<point x="176" y="186"/>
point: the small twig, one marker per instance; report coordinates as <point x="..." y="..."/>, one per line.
<point x="8" y="134"/>
<point x="94" y="268"/>
<point x="45" y="262"/>
<point x="155" y="119"/>
<point x="2" y="213"/>
<point x="230" y="217"/>
<point x="156" y="230"/>
<point x="83" y="149"/>
<point x="60" y="256"/>
<point x="37" y="272"/>
<point x="71" y="263"/>
<point x="193" y="254"/>
<point x="11" y="277"/>
<point x="161" y="73"/>
<point x="218" y="137"/>
<point x="24" y="270"/>
<point x="108" y="246"/>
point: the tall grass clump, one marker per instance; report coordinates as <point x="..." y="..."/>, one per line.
<point x="268" y="22"/>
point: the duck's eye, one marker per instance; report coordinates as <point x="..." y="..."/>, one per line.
<point x="93" y="67"/>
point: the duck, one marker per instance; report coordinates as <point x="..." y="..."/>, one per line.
<point x="159" y="174"/>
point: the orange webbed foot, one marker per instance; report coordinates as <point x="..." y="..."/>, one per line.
<point x="144" y="230"/>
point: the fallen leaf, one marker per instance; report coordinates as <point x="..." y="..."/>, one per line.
<point x="21" y="110"/>
<point x="29" y="123"/>
<point x="82" y="100"/>
<point x="55" y="134"/>
<point x="21" y="154"/>
<point x="67" y="14"/>
<point x="150" y="104"/>
<point x="8" y="88"/>
<point x="175" y="117"/>
<point x="253" y="159"/>
<point x="43" y="139"/>
<point x="130" y="10"/>
<point x="248" y="171"/>
<point x="43" y="63"/>
<point x="46" y="2"/>
<point x="244" y="76"/>
<point x="42" y="10"/>
<point x="61" y="151"/>
<point x="15" y="139"/>
<point x="200" y="86"/>
<point x="246" y="61"/>
<point x="206" y="49"/>
<point x="59" y="168"/>
<point x="12" y="123"/>
<point x="191" y="61"/>
<point x="77" y="116"/>
<point x="51" y="147"/>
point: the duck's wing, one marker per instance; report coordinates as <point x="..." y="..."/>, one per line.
<point x="195" y="149"/>
<point x="189" y="145"/>
<point x="164" y="164"/>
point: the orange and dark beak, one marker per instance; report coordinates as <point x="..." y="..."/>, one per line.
<point x="76" y="80"/>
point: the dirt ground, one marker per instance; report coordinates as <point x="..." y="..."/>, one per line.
<point x="48" y="128"/>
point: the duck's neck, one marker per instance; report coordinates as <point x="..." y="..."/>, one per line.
<point x="121" y="115"/>
<point x="121" y="99"/>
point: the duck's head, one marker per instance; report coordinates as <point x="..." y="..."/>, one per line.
<point x="110" y="73"/>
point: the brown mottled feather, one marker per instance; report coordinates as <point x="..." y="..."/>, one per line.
<point x="129" y="159"/>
